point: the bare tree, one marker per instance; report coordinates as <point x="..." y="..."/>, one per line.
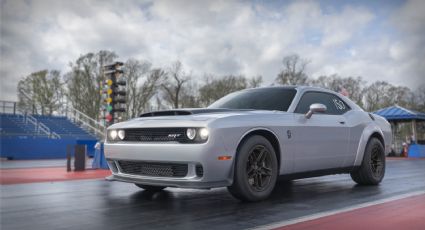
<point x="41" y="90"/>
<point x="255" y="81"/>
<point x="293" y="72"/>
<point x="382" y="94"/>
<point x="353" y="86"/>
<point x="190" y="95"/>
<point x="141" y="86"/>
<point x="173" y="84"/>
<point x="418" y="99"/>
<point x="85" y="81"/>
<point x="217" y="88"/>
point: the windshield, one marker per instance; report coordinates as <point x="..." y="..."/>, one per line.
<point x="258" y="99"/>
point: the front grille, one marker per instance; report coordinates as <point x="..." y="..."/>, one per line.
<point x="153" y="169"/>
<point x="156" y="134"/>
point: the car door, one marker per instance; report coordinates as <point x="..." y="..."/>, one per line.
<point x="322" y="140"/>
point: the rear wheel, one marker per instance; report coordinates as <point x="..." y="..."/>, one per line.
<point x="256" y="170"/>
<point x="372" y="169"/>
<point x="150" y="188"/>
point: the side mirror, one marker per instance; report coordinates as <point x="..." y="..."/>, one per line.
<point x="315" y="108"/>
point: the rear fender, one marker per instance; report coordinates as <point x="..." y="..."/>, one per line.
<point x="367" y="133"/>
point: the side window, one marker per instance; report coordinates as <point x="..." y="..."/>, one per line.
<point x="334" y="104"/>
<point x="340" y="106"/>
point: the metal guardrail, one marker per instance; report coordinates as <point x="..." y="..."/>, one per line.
<point x="8" y="107"/>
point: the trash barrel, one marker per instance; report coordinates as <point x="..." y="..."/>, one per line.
<point x="80" y="157"/>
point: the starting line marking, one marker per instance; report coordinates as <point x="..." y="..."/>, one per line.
<point x="333" y="212"/>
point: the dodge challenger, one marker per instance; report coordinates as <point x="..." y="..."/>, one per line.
<point x="248" y="139"/>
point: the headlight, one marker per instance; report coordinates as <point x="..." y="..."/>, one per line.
<point x="113" y="134"/>
<point x="203" y="133"/>
<point x="121" y="134"/>
<point x="191" y="133"/>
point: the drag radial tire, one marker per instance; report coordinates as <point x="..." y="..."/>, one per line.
<point x="372" y="169"/>
<point x="255" y="171"/>
<point x="150" y="188"/>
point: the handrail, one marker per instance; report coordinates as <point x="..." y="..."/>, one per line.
<point x="87" y="117"/>
<point x="39" y="126"/>
<point x="32" y="120"/>
<point x="95" y="127"/>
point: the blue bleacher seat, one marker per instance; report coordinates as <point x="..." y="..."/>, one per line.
<point x="11" y="124"/>
<point x="20" y="139"/>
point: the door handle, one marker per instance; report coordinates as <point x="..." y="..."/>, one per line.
<point x="342" y="122"/>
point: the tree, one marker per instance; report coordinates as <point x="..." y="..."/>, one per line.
<point x="215" y="89"/>
<point x="353" y="86"/>
<point x="255" y="81"/>
<point x="142" y="84"/>
<point x="293" y="72"/>
<point x="41" y="90"/>
<point x="190" y="95"/>
<point x="85" y="82"/>
<point x="173" y="84"/>
<point x="418" y="99"/>
<point x="382" y="94"/>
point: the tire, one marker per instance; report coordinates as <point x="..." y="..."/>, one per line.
<point x="150" y="188"/>
<point x="372" y="169"/>
<point x="254" y="176"/>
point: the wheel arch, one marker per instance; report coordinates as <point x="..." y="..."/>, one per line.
<point x="368" y="133"/>
<point x="266" y="133"/>
<point x="378" y="136"/>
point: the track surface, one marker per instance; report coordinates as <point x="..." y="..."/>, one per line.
<point x="97" y="204"/>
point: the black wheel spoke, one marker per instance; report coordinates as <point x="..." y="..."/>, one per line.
<point x="261" y="156"/>
<point x="250" y="172"/>
<point x="259" y="180"/>
<point x="266" y="171"/>
<point x="376" y="161"/>
<point x="258" y="169"/>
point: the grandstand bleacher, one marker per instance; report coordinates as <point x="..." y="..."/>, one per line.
<point x="21" y="139"/>
<point x="64" y="127"/>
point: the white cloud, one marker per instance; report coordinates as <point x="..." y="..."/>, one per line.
<point x="219" y="37"/>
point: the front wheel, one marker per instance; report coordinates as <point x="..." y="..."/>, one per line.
<point x="150" y="188"/>
<point x="255" y="171"/>
<point x="372" y="169"/>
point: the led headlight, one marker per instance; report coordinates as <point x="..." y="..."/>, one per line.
<point x="113" y="134"/>
<point x="191" y="133"/>
<point x="121" y="134"/>
<point x="203" y="133"/>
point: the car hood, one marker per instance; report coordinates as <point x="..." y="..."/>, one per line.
<point x="185" y="117"/>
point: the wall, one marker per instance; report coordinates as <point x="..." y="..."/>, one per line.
<point x="26" y="148"/>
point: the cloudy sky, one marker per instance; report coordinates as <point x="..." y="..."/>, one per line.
<point x="378" y="40"/>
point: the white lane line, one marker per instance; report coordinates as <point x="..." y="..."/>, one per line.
<point x="333" y="212"/>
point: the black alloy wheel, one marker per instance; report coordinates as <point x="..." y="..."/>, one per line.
<point x="258" y="168"/>
<point x="372" y="169"/>
<point x="255" y="170"/>
<point x="376" y="161"/>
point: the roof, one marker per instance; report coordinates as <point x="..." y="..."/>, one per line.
<point x="396" y="112"/>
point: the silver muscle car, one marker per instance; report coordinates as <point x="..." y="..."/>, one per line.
<point x="247" y="139"/>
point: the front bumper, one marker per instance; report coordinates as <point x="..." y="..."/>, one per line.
<point x="216" y="173"/>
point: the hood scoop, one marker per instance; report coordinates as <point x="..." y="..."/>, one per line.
<point x="182" y="112"/>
